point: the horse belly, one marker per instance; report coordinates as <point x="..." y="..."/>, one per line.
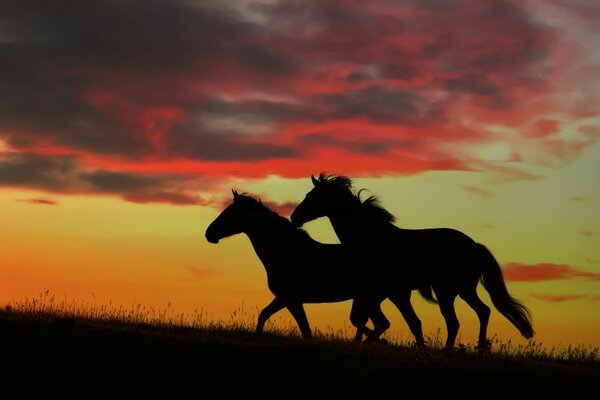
<point x="326" y="289"/>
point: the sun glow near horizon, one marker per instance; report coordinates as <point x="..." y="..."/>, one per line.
<point x="115" y="155"/>
<point x="156" y="255"/>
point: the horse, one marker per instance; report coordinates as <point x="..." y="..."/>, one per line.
<point x="447" y="259"/>
<point x="299" y="269"/>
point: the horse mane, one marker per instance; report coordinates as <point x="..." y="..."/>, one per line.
<point x="272" y="215"/>
<point x="371" y="206"/>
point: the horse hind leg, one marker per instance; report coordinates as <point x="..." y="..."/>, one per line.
<point x="483" y="313"/>
<point x="446" y="303"/>
<point x="402" y="302"/>
<point x="297" y="311"/>
<point x="361" y="312"/>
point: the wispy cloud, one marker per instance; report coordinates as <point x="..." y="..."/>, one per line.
<point x="478" y="191"/>
<point x="202" y="272"/>
<point x="45" y="202"/>
<point x="561" y="298"/>
<point x="545" y="272"/>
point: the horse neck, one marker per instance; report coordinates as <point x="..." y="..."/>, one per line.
<point x="344" y="227"/>
<point x="352" y="225"/>
<point x="271" y="239"/>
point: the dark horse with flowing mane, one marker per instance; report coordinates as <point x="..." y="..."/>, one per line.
<point x="445" y="259"/>
<point x="299" y="269"/>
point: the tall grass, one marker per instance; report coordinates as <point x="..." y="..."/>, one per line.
<point x="47" y="306"/>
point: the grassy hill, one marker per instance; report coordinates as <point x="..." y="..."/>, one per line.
<point x="72" y="357"/>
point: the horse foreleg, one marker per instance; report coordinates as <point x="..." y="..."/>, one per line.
<point x="361" y="311"/>
<point x="276" y="305"/>
<point x="297" y="311"/>
<point x="359" y="318"/>
<point x="380" y="322"/>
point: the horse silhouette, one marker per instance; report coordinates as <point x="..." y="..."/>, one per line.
<point x="299" y="269"/>
<point x="446" y="259"/>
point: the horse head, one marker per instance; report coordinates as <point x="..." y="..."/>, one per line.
<point x="234" y="219"/>
<point x="323" y="199"/>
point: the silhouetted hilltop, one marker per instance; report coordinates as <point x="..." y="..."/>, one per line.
<point x="67" y="357"/>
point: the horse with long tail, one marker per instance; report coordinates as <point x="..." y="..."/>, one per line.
<point x="299" y="269"/>
<point x="446" y="259"/>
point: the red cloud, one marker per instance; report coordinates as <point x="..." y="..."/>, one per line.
<point x="545" y="272"/>
<point x="290" y="88"/>
<point x="545" y="127"/>
<point x="558" y="298"/>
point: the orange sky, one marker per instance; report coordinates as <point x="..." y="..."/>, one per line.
<point x="123" y="129"/>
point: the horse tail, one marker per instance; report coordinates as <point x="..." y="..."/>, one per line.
<point x="493" y="281"/>
<point x="427" y="293"/>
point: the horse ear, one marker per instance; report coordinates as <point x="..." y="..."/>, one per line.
<point x="235" y="194"/>
<point x="314" y="180"/>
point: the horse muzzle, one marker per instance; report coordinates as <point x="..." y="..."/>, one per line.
<point x="211" y="238"/>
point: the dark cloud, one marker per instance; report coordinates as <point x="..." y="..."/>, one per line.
<point x="266" y="61"/>
<point x="190" y="139"/>
<point x="378" y="104"/>
<point x="58" y="57"/>
<point x="111" y="182"/>
<point x="209" y="82"/>
<point x="362" y="145"/>
<point x="62" y="174"/>
<point x="142" y="188"/>
<point x="52" y="173"/>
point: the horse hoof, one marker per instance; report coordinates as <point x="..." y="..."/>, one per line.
<point x="448" y="349"/>
<point x="485" y="347"/>
<point x="376" y="340"/>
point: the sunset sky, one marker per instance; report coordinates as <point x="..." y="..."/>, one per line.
<point x="124" y="125"/>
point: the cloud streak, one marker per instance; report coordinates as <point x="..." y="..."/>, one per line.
<point x="202" y="272"/>
<point x="63" y="174"/>
<point x="561" y="298"/>
<point x="545" y="272"/>
<point x="45" y="202"/>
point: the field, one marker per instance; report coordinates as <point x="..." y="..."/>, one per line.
<point x="70" y="351"/>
